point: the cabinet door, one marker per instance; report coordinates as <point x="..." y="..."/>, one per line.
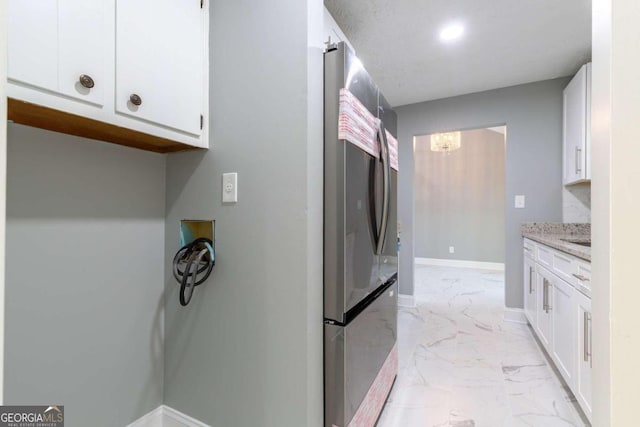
<point x="575" y="128"/>
<point x="564" y="329"/>
<point x="530" y="302"/>
<point x="82" y="47"/>
<point x="165" y="69"/>
<point x="582" y="389"/>
<point x="544" y="325"/>
<point x="52" y="43"/>
<point x="32" y="31"/>
<point x="587" y="158"/>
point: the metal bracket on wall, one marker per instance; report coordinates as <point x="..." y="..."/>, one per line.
<point x="192" y="229"/>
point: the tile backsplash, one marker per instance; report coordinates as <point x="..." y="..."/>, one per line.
<point x="576" y="203"/>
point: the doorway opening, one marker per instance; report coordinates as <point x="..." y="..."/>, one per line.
<point x="459" y="211"/>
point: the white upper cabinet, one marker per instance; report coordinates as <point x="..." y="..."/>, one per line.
<point x="577" y="128"/>
<point x="53" y="43"/>
<point x="81" y="42"/>
<point x="41" y="69"/>
<point x="159" y="62"/>
<point x="139" y="67"/>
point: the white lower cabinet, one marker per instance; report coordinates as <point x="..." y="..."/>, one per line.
<point x="530" y="302"/>
<point x="544" y="324"/>
<point x="564" y="328"/>
<point x="582" y="390"/>
<point x="559" y="312"/>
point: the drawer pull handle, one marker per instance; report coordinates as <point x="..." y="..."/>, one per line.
<point x="135" y="99"/>
<point x="545" y="300"/>
<point x="581" y="278"/>
<point x="86" y="81"/>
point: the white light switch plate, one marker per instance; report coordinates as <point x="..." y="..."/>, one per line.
<point x="519" y="203"/>
<point x="230" y="187"/>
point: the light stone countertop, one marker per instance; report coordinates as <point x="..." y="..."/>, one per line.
<point x="555" y="236"/>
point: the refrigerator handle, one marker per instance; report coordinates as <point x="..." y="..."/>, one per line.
<point x="386" y="178"/>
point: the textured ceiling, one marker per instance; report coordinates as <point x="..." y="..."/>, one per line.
<point x="506" y="42"/>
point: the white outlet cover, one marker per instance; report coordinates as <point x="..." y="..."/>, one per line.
<point x="519" y="201"/>
<point x="230" y="187"/>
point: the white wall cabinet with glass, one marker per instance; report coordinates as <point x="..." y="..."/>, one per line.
<point x="131" y="70"/>
<point x="577" y="128"/>
<point x="557" y="289"/>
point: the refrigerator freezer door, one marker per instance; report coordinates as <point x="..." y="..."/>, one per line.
<point x="355" y="354"/>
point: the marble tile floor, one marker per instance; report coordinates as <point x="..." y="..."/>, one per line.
<point x="462" y="365"/>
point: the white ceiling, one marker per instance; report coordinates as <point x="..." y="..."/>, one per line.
<point x="506" y="42"/>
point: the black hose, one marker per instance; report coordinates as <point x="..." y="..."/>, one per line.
<point x="192" y="254"/>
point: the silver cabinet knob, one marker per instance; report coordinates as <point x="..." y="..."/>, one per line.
<point x="135" y="99"/>
<point x="86" y="81"/>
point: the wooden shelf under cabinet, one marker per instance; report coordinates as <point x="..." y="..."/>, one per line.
<point x="29" y="114"/>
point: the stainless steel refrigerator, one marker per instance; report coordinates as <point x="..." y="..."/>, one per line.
<point x="360" y="250"/>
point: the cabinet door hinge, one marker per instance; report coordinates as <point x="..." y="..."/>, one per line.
<point x="201" y="121"/>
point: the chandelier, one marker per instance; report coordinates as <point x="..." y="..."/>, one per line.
<point x="445" y="142"/>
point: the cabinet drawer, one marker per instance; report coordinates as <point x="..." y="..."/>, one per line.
<point x="529" y="248"/>
<point x="544" y="256"/>
<point x="582" y="277"/>
<point x="563" y="266"/>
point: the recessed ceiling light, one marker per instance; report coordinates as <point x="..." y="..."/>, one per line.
<point x="451" y="32"/>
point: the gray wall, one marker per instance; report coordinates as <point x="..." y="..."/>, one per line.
<point x="533" y="115"/>
<point x="459" y="198"/>
<point x="84" y="278"/>
<point x="247" y="351"/>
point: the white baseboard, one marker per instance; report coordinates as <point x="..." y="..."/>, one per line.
<point x="498" y="266"/>
<point x="164" y="416"/>
<point x="515" y="315"/>
<point x="152" y="419"/>
<point x="178" y="416"/>
<point x="406" y="301"/>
